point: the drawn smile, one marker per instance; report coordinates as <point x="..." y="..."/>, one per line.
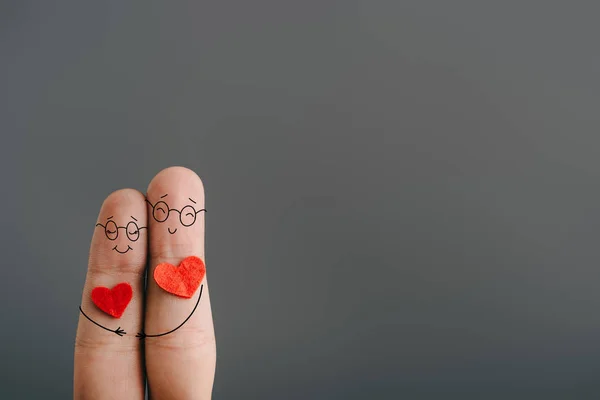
<point x="169" y="229"/>
<point x="122" y="252"/>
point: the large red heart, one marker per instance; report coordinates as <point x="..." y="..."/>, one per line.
<point x="182" y="281"/>
<point x="113" y="301"/>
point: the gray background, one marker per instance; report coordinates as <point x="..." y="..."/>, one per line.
<point x="402" y="195"/>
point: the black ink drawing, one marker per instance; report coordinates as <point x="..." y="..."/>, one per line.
<point x="118" y="331"/>
<point x="143" y="335"/>
<point x="111" y="230"/>
<point x="187" y="215"/>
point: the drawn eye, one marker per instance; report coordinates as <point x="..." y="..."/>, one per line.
<point x="188" y="216"/>
<point x="161" y="211"/>
<point x="111" y="230"/>
<point x="132" y="231"/>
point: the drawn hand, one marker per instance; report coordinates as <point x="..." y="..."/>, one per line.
<point x="120" y="331"/>
<point x="174" y="349"/>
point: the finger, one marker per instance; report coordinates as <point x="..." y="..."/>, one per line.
<point x="180" y="364"/>
<point x="108" y="357"/>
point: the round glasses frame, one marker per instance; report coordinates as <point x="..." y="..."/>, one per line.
<point x="111" y="230"/>
<point x="187" y="215"/>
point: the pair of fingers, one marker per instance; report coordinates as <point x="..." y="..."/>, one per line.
<point x="111" y="362"/>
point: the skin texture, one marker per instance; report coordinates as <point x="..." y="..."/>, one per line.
<point x="108" y="366"/>
<point x="180" y="365"/>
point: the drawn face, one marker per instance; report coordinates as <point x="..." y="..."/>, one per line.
<point x="187" y="215"/>
<point x="132" y="231"/>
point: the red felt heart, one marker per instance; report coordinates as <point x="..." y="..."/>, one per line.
<point x="113" y="301"/>
<point x="182" y="281"/>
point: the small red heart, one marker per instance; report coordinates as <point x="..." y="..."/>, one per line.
<point x="113" y="301"/>
<point x="182" y="281"/>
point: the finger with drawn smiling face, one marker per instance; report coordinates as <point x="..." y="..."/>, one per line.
<point x="131" y="230"/>
<point x="187" y="215"/>
<point x="179" y="335"/>
<point x="108" y="357"/>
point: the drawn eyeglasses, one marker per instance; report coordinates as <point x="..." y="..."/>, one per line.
<point x="187" y="215"/>
<point x="111" y="230"/>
